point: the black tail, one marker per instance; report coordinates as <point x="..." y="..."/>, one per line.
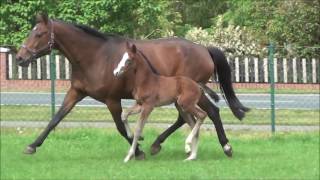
<point x="224" y="76"/>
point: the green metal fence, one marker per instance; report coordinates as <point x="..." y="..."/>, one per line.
<point x="269" y="97"/>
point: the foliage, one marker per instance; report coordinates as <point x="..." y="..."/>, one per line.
<point x="125" y="17"/>
<point x="291" y="24"/>
<point x="235" y="40"/>
<point x="197" y="13"/>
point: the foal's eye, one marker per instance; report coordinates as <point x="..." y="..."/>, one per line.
<point x="128" y="62"/>
<point x="38" y="35"/>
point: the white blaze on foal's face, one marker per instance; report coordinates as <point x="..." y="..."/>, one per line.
<point x="122" y="64"/>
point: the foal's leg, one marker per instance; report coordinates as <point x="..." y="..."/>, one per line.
<point x="146" y="110"/>
<point x="191" y="122"/>
<point x="213" y="114"/>
<point x="193" y="136"/>
<point x="126" y="113"/>
<point x="116" y="110"/>
<point x="71" y="98"/>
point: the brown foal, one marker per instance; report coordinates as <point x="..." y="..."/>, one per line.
<point x="152" y="90"/>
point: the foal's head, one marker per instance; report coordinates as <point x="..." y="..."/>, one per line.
<point x="128" y="60"/>
<point x="38" y="43"/>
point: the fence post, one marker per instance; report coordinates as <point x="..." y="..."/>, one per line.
<point x="271" y="76"/>
<point x="53" y="79"/>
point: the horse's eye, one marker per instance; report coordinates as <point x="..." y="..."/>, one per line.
<point x="39" y="34"/>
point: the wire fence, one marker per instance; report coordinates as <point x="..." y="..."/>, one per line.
<point x="278" y="91"/>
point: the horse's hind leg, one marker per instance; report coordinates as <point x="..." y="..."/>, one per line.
<point x="156" y="145"/>
<point x="214" y="115"/>
<point x="71" y="98"/>
<point x="126" y="113"/>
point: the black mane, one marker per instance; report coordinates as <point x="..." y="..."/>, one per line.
<point x="91" y="31"/>
<point x="148" y="62"/>
<point x="95" y="32"/>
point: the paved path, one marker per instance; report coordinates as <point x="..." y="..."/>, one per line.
<point x="42" y="124"/>
<point x="287" y="101"/>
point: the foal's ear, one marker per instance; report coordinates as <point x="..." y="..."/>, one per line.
<point x="131" y="47"/>
<point x="42" y="18"/>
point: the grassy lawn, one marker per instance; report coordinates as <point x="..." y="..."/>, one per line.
<point x="98" y="154"/>
<point x="255" y="116"/>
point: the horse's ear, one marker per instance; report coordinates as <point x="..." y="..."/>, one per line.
<point x="42" y="17"/>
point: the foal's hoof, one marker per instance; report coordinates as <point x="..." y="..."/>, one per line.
<point x="140" y="156"/>
<point x="190" y="159"/>
<point x="155" y="149"/>
<point x="141" y="138"/>
<point x="227" y="149"/>
<point x="29" y="150"/>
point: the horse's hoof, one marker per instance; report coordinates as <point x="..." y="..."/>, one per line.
<point x="227" y="149"/>
<point x="140" y="156"/>
<point x="29" y="150"/>
<point x="155" y="149"/>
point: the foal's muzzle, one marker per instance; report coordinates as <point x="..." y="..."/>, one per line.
<point x="23" y="62"/>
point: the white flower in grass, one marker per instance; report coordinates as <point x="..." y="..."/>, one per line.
<point x="20" y="130"/>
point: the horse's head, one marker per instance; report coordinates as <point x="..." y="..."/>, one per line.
<point x="127" y="61"/>
<point x="39" y="42"/>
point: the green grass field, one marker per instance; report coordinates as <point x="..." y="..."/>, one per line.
<point x="169" y="115"/>
<point x="99" y="154"/>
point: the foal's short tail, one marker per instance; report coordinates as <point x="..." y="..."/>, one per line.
<point x="211" y="93"/>
<point x="223" y="71"/>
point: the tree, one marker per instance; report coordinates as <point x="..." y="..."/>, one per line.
<point x="287" y="23"/>
<point x="125" y="17"/>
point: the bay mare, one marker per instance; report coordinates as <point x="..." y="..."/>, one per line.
<point x="93" y="56"/>
<point x="153" y="90"/>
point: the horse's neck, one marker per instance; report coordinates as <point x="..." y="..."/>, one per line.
<point x="74" y="44"/>
<point x="144" y="74"/>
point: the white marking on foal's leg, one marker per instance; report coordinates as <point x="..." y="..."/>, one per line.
<point x="129" y="155"/>
<point x="124" y="117"/>
<point x="193" y="136"/>
<point x="193" y="154"/>
<point x="187" y="146"/>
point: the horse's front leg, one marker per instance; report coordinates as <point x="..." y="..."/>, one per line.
<point x="116" y="110"/>
<point x="72" y="97"/>
<point x="146" y="110"/>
